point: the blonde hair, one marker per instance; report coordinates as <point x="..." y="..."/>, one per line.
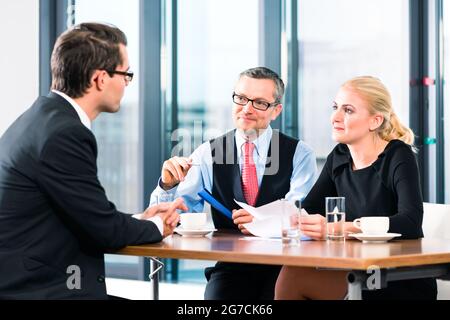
<point x="376" y="94"/>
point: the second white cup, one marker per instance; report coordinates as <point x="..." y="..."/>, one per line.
<point x="193" y="220"/>
<point x="372" y="225"/>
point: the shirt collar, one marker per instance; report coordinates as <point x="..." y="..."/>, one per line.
<point x="81" y="114"/>
<point x="262" y="143"/>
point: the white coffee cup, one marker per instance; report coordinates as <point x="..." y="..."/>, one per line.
<point x="372" y="225"/>
<point x="193" y="220"/>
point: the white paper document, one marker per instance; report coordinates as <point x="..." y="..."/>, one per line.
<point x="272" y="209"/>
<point x="267" y="219"/>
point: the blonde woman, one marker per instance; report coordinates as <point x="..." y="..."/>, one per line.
<point x="375" y="169"/>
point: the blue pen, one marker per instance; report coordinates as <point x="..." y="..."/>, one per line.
<point x="208" y="197"/>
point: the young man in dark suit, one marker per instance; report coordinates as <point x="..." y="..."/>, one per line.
<point x="55" y="219"/>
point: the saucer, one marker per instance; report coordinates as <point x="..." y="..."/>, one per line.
<point x="194" y="233"/>
<point x="374" y="238"/>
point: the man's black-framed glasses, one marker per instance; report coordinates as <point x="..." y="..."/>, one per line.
<point x="127" y="74"/>
<point x="257" y="104"/>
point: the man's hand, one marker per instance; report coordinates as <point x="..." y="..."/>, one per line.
<point x="313" y="226"/>
<point x="241" y="217"/>
<point x="174" y="171"/>
<point x="152" y="211"/>
<point x="171" y="217"/>
<point x="167" y="211"/>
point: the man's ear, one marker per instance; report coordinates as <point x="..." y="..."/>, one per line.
<point x="276" y="112"/>
<point x="99" y="79"/>
<point x="377" y="121"/>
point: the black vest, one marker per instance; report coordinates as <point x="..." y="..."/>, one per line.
<point x="227" y="184"/>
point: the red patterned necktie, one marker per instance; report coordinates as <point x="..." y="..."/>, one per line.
<point x="249" y="178"/>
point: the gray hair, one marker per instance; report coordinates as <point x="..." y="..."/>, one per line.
<point x="266" y="73"/>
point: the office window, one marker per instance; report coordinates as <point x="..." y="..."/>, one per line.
<point x="446" y="93"/>
<point x="216" y="41"/>
<point x="339" y="40"/>
<point x="118" y="134"/>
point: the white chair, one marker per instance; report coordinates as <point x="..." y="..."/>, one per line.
<point x="436" y="220"/>
<point x="436" y="224"/>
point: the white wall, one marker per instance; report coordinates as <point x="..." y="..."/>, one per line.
<point x="19" y="58"/>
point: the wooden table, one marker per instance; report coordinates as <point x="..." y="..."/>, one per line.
<point x="395" y="260"/>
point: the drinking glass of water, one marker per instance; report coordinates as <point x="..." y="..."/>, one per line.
<point x="335" y="216"/>
<point x="290" y="228"/>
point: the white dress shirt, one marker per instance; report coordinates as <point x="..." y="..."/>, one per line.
<point x="87" y="123"/>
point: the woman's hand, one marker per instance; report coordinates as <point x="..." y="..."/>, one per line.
<point x="313" y="226"/>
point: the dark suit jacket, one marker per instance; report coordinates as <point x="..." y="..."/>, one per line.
<point x="54" y="213"/>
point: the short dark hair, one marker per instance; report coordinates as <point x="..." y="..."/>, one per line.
<point x="80" y="51"/>
<point x="266" y="73"/>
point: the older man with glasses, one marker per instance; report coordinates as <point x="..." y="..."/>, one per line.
<point x="252" y="164"/>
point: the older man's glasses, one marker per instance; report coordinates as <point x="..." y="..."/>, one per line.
<point x="257" y="104"/>
<point x="127" y="74"/>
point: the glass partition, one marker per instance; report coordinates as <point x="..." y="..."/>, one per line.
<point x="342" y="39"/>
<point x="118" y="134"/>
